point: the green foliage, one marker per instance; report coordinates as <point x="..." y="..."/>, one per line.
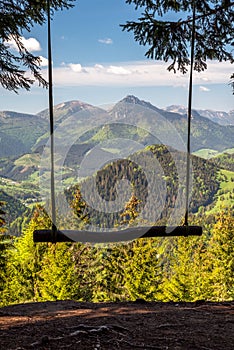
<point x="24" y="263"/>
<point x="57" y="278"/>
<point x="5" y="244"/>
<point x="198" y="268"/>
<point x="224" y="161"/>
<point x="80" y="208"/>
<point x="221" y="253"/>
<point x="127" y="272"/>
<point x="13" y="209"/>
<point x="184" y="278"/>
<point x="142" y="270"/>
<point x="109" y="274"/>
<point x="17" y="16"/>
<point x="177" y="269"/>
<point x="169" y="40"/>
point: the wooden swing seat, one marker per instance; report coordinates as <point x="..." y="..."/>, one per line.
<point x="122" y="235"/>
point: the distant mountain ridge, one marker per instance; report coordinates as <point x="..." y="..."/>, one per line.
<point x="220" y="117"/>
<point x="23" y="133"/>
<point x="204" y="132"/>
<point x="19" y="132"/>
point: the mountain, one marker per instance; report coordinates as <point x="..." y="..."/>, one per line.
<point x="70" y="119"/>
<point x="204" y="132"/>
<point x="77" y="123"/>
<point x="19" y="132"/>
<point x="220" y="117"/>
<point x="68" y="109"/>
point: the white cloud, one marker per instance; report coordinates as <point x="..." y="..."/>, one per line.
<point x="99" y="67"/>
<point x="118" y="70"/>
<point x="106" y="41"/>
<point x="76" y="67"/>
<point x="31" y="44"/>
<point x="203" y="88"/>
<point x="143" y="73"/>
<point x="43" y="62"/>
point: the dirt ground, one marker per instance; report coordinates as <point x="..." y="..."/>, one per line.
<point x="125" y="325"/>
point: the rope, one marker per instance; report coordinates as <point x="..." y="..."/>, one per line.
<point x="50" y="78"/>
<point x="52" y="186"/>
<point x="190" y="117"/>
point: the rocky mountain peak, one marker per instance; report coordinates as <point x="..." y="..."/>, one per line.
<point x="135" y="100"/>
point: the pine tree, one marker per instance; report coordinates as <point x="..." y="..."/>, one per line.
<point x="142" y="270"/>
<point x="185" y="275"/>
<point x="221" y="256"/>
<point x="169" y="39"/>
<point x="80" y="208"/>
<point x="57" y="278"/>
<point x="108" y="278"/>
<point x="18" y="16"/>
<point x="2" y="220"/>
<point x="24" y="262"/>
<point x="131" y="212"/>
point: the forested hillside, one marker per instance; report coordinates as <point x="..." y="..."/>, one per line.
<point x="162" y="269"/>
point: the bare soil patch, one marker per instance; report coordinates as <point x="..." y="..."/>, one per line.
<point x="121" y="325"/>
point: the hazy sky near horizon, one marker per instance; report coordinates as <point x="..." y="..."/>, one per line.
<point x="96" y="62"/>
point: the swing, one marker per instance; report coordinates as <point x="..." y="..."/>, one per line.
<point x="54" y="235"/>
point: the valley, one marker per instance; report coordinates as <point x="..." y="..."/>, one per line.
<point x="94" y="138"/>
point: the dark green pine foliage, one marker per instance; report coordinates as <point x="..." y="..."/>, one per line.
<point x="169" y="40"/>
<point x="15" y="17"/>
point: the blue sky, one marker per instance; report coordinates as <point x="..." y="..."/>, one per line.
<point x="95" y="62"/>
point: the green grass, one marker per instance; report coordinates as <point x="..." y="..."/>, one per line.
<point x="19" y="190"/>
<point x="33" y="159"/>
<point x="225" y="194"/>
<point x="207" y="153"/>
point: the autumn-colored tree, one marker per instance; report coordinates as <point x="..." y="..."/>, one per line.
<point x="80" y="209"/>
<point x="131" y="212"/>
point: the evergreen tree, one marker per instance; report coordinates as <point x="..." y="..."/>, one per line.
<point x="80" y="208"/>
<point x="58" y="279"/>
<point x="128" y="270"/>
<point x="177" y="282"/>
<point x="16" y="16"/>
<point x="109" y="274"/>
<point x="2" y="220"/>
<point x="185" y="275"/>
<point x="221" y="257"/>
<point x="131" y="212"/>
<point x="170" y="39"/>
<point x="24" y="262"/>
<point x="142" y="270"/>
